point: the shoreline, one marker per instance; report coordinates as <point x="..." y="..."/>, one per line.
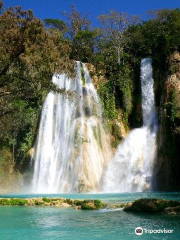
<point x="54" y="202"/>
<point x="143" y="205"/>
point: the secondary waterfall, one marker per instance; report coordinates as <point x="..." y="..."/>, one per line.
<point x="72" y="147"/>
<point x="131" y="168"/>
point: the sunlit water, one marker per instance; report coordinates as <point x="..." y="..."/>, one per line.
<point x="51" y="223"/>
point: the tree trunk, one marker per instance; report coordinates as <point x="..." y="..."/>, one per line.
<point x="13" y="153"/>
<point x="119" y="56"/>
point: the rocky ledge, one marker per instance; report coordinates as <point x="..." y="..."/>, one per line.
<point x="56" y="202"/>
<point x="154" y="206"/>
<point x="140" y="205"/>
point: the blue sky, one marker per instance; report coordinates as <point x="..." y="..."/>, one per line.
<point x="53" y="8"/>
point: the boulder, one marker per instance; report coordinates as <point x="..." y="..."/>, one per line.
<point x="152" y="205"/>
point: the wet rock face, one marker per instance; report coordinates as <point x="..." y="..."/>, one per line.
<point x="97" y="76"/>
<point x="116" y="127"/>
<point x="167" y="168"/>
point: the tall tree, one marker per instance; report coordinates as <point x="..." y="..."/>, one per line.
<point x="76" y="22"/>
<point x="81" y="34"/>
<point x="114" y="28"/>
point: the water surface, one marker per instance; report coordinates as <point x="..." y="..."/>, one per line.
<point x="106" y="197"/>
<point x="51" y="223"/>
<point x="54" y="223"/>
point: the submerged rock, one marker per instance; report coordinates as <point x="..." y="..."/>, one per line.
<point x="172" y="210"/>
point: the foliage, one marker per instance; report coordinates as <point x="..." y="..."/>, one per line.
<point x="157" y="37"/>
<point x="76" y="22"/>
<point x="29" y="55"/>
<point x="108" y="100"/>
<point x="56" y="24"/>
<point x="83" y="45"/>
<point x="114" y="28"/>
<point x="98" y="204"/>
<point x="172" y="111"/>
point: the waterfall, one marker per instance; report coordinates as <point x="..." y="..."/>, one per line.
<point x="131" y="168"/>
<point x="71" y="148"/>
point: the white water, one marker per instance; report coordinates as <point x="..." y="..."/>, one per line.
<point x="132" y="166"/>
<point x="72" y="147"/>
<point x="72" y="152"/>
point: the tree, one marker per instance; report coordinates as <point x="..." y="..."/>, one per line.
<point x="29" y="56"/>
<point x="114" y="28"/>
<point x="76" y="22"/>
<point x="81" y="35"/>
<point x="56" y="24"/>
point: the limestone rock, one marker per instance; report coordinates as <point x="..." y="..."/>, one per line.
<point x="152" y="205"/>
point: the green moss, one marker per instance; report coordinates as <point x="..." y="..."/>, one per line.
<point x="92" y="205"/>
<point x="86" y="206"/>
<point x="151" y="205"/>
<point x="77" y="202"/>
<point x="4" y="202"/>
<point x="47" y="200"/>
<point x="83" y="204"/>
<point x="13" y="201"/>
<point x="98" y="204"/>
<point x="38" y="203"/>
<point x="69" y="201"/>
<point x="83" y="75"/>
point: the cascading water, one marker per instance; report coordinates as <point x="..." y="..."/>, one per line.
<point x="131" y="168"/>
<point x="72" y="147"/>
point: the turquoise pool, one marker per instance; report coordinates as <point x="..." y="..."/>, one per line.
<point x="53" y="223"/>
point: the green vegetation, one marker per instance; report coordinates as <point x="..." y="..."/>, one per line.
<point x="13" y="201"/>
<point x="45" y="199"/>
<point x="32" y="51"/>
<point x="29" y="56"/>
<point x="98" y="204"/>
<point x="92" y="205"/>
<point x="151" y="205"/>
<point x="80" y="204"/>
<point x="82" y="75"/>
<point x="173" y="111"/>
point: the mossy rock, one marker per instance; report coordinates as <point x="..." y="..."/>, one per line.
<point x="47" y="200"/>
<point x="92" y="205"/>
<point x="13" y="201"/>
<point x="151" y="205"/>
<point x="78" y="202"/>
<point x="38" y="202"/>
<point x="69" y="201"/>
